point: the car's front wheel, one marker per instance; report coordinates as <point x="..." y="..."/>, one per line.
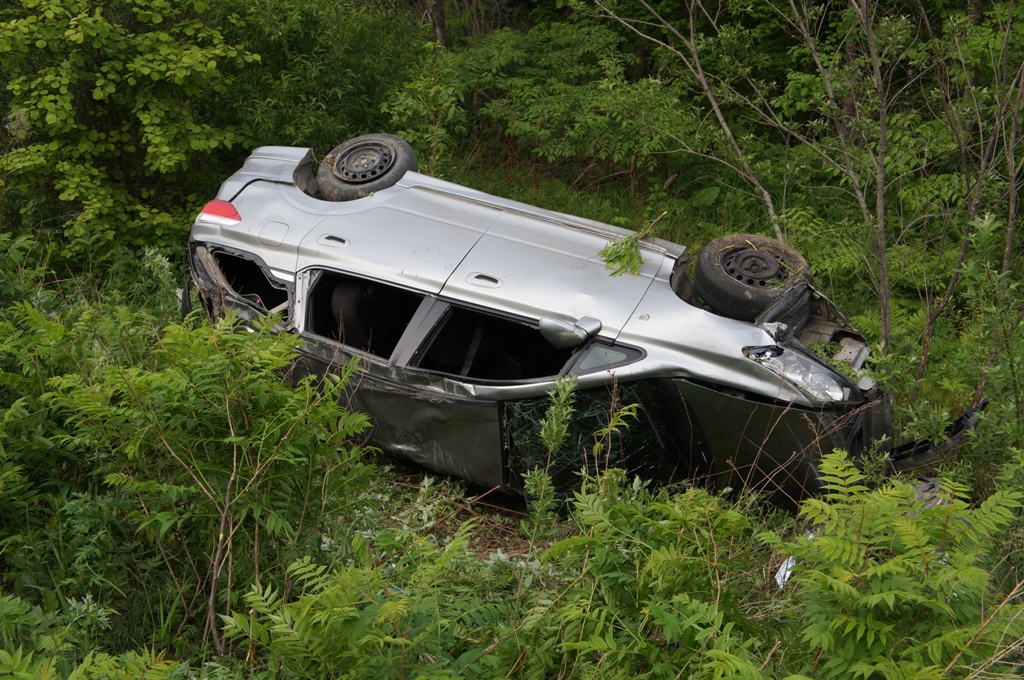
<point x="364" y="165"/>
<point x="741" y="275"/>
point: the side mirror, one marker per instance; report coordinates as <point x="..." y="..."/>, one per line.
<point x="567" y="334"/>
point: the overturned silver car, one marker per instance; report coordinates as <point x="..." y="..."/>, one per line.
<point x="465" y="308"/>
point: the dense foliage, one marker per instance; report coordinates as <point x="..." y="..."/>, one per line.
<point x="107" y="106"/>
<point x="169" y="505"/>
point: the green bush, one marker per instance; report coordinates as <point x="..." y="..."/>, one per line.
<point x="889" y="585"/>
<point x="664" y="585"/>
<point x="325" y="68"/>
<point x="110" y="116"/>
<point x="160" y="471"/>
<point x="232" y="471"/>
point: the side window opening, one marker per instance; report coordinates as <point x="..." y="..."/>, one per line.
<point x="366" y="315"/>
<point x="601" y="357"/>
<point x="249" y="281"/>
<point x="664" y="444"/>
<point x="475" y="345"/>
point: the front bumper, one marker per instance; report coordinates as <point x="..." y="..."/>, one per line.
<point x="772" y="447"/>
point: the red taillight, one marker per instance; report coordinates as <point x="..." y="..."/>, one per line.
<point x="219" y="212"/>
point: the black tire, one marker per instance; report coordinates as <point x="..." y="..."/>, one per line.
<point x="740" y="275"/>
<point x="364" y="165"/>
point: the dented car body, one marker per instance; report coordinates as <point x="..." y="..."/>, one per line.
<point x="464" y="309"/>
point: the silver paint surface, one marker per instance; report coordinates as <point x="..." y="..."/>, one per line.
<point x="459" y="246"/>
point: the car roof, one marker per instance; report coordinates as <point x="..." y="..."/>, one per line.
<point x="446" y="239"/>
<point x="437" y="237"/>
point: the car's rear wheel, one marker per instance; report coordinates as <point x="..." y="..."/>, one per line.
<point x="364" y="165"/>
<point x="740" y="275"/>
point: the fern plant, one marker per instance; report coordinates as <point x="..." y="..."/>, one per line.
<point x="888" y="585"/>
<point x="234" y="471"/>
<point x="645" y="592"/>
<point x="421" y="611"/>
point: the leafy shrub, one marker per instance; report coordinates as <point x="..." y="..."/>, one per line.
<point x="662" y="585"/>
<point x="152" y="470"/>
<point x="427" y="110"/>
<point x="892" y="585"/>
<point x="645" y="591"/>
<point x="222" y="458"/>
<point x="114" y="98"/>
<point x="37" y="644"/>
<point x="554" y="88"/>
<point x="325" y="68"/>
<point x="645" y="586"/>
<point x="413" y="613"/>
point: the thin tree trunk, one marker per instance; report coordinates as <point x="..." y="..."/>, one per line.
<point x="1012" y="177"/>
<point x="435" y="12"/>
<point x="211" y="604"/>
<point x="933" y="316"/>
<point x="880" y="246"/>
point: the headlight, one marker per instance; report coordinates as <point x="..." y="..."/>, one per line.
<point x="816" y="381"/>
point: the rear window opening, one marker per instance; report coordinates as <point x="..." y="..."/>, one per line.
<point x="366" y="315"/>
<point x="475" y="345"/>
<point x="248" y="280"/>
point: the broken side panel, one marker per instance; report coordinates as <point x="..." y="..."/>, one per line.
<point x="227" y="280"/>
<point x="428" y="422"/>
<point x="451" y="436"/>
<point x="761" y="446"/>
<point x="661" y="445"/>
<point x="248" y="280"/>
